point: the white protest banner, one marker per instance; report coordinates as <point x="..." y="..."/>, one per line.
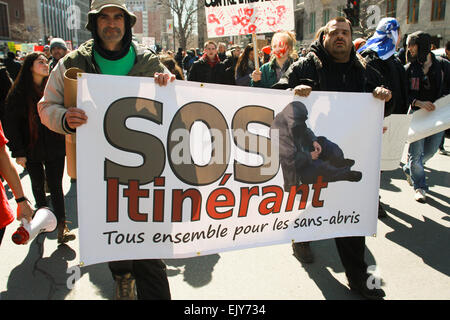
<point x="193" y="169"/>
<point x="425" y="123"/>
<point x="240" y="17"/>
<point x="394" y="140"/>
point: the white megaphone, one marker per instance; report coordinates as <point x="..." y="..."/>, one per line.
<point x="43" y="221"/>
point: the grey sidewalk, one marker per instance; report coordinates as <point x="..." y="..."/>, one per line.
<point x="411" y="251"/>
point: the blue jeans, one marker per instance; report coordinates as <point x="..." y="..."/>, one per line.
<point x="420" y="152"/>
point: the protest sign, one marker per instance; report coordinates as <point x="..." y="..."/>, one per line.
<point x="240" y="17"/>
<point x="394" y="140"/>
<point x="12" y="47"/>
<point x="425" y="123"/>
<point x="185" y="170"/>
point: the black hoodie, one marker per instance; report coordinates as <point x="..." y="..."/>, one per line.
<point x="319" y="71"/>
<point x="434" y="84"/>
<point x="126" y="40"/>
<point x="423" y="41"/>
<point x="394" y="78"/>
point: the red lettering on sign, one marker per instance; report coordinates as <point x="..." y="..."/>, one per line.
<point x="248" y="12"/>
<point x="220" y="31"/>
<point x="281" y="10"/>
<point x="245" y="21"/>
<point x="251" y="28"/>
<point x="212" y="19"/>
<point x="235" y="20"/>
<point x="271" y="21"/>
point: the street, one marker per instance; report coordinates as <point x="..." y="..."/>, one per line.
<point x="410" y="251"/>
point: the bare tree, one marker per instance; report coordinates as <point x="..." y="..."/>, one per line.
<point x="185" y="12"/>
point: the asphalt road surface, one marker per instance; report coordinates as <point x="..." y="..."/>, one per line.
<point x="410" y="252"/>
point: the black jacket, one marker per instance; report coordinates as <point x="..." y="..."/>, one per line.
<point x="5" y="85"/>
<point x="230" y="66"/>
<point x="201" y="71"/>
<point x="49" y="145"/>
<point x="13" y="66"/>
<point x="314" y="70"/>
<point x="394" y="78"/>
<point x="439" y="72"/>
<point x="189" y="60"/>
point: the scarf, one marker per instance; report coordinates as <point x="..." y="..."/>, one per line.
<point x="211" y="63"/>
<point x="384" y="40"/>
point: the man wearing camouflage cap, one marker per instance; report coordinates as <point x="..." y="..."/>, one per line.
<point x="111" y="51"/>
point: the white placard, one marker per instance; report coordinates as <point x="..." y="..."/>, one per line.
<point x="425" y="123"/>
<point x="178" y="214"/>
<point x="239" y="17"/>
<point x="394" y="140"/>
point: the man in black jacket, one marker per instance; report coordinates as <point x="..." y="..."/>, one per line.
<point x="428" y="80"/>
<point x="208" y="68"/>
<point x="332" y="65"/>
<point x="379" y="53"/>
<point x="230" y="64"/>
<point x="378" y="56"/>
<point x="58" y="50"/>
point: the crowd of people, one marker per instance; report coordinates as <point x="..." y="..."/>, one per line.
<point x="35" y="120"/>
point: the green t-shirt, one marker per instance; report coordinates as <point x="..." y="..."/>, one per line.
<point x="119" y="67"/>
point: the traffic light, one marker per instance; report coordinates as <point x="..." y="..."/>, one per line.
<point x="352" y="11"/>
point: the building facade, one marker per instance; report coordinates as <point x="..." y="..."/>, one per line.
<point x="12" y="17"/>
<point x="152" y="16"/>
<point x="37" y="21"/>
<point x="431" y="16"/>
<point x="64" y="19"/>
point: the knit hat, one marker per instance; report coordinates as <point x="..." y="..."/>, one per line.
<point x="99" y="5"/>
<point x="58" y="43"/>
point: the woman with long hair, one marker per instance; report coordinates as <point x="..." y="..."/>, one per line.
<point x="35" y="147"/>
<point x="245" y="66"/>
<point x="172" y="65"/>
<point x="270" y="73"/>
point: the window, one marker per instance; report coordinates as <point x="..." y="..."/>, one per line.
<point x="312" y="22"/>
<point x="438" y="10"/>
<point x="413" y="11"/>
<point x="325" y="16"/>
<point x="391" y="8"/>
<point x="4" y="28"/>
